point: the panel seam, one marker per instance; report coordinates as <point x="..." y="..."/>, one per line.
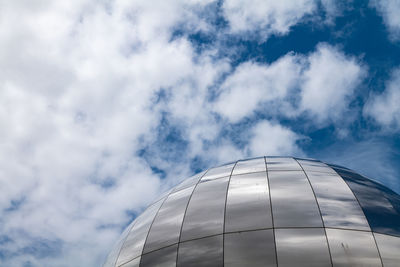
<point x="270" y="205"/>
<point x="319" y="209"/>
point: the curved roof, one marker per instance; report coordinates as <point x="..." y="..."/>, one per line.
<point x="265" y="211"/>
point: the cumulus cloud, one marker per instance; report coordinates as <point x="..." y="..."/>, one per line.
<point x="384" y="107"/>
<point x="265" y="17"/>
<point x="389" y="10"/>
<point x="319" y="85"/>
<point x="253" y="84"/>
<point x="329" y="82"/>
<point x="273" y="139"/>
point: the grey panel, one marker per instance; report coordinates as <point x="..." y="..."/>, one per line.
<point x="248" y="166"/>
<point x="381" y="206"/>
<point x="302" y="247"/>
<point x="315" y="166"/>
<point x="112" y="257"/>
<point x="389" y="248"/>
<point x="205" y="252"/>
<point x="248" y="206"/>
<point x="352" y="248"/>
<point x="132" y="263"/>
<point x="282" y="164"/>
<point x="338" y="205"/>
<point x="166" y="227"/>
<point x="205" y="212"/>
<point x="189" y="181"/>
<point x="165" y="257"/>
<point x="134" y="243"/>
<point x="293" y="201"/>
<point x="254" y="248"/>
<point x="218" y="172"/>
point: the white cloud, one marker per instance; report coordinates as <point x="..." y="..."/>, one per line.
<point x="265" y="17"/>
<point x="273" y="139"/>
<point x="253" y="84"/>
<point x="385" y="108"/>
<point x="329" y="83"/>
<point x="324" y="81"/>
<point x="389" y="10"/>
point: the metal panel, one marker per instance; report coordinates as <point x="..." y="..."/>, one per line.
<point x="165" y="257"/>
<point x="204" y="252"/>
<point x="166" y="227"/>
<point x="389" y="248"/>
<point x="205" y="212"/>
<point x="315" y="166"/>
<point x="218" y="172"/>
<point x="339" y="207"/>
<point x="353" y="248"/>
<point x="189" y="182"/>
<point x="132" y="263"/>
<point x="302" y="247"/>
<point x="381" y="206"/>
<point x="248" y="166"/>
<point x="248" y="206"/>
<point x="134" y="243"/>
<point x="253" y="248"/>
<point x="293" y="201"/>
<point x="282" y="164"/>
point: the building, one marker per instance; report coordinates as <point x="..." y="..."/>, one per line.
<point x="269" y="211"/>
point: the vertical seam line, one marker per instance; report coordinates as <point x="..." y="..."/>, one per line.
<point x="319" y="209"/>
<point x="354" y="194"/>
<point x="184" y="215"/>
<point x="270" y="205"/>
<point x="223" y="228"/>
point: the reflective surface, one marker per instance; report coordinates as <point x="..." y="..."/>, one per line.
<point x="206" y="209"/>
<point x="247" y="205"/>
<point x="166" y="227"/>
<point x="352" y="248"/>
<point x="162" y="257"/>
<point x="389" y="248"/>
<point x="293" y="202"/>
<point x="273" y="211"/>
<point x="134" y="243"/>
<point x="337" y="203"/>
<point x="253" y="248"/>
<point x="302" y="247"/>
<point x="205" y="252"/>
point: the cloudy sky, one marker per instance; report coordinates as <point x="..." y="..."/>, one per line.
<point x="105" y="104"/>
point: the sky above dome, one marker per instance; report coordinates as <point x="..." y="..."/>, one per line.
<point x="105" y="104"/>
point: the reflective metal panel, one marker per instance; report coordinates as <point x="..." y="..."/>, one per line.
<point x="253" y="248"/>
<point x="293" y="202"/>
<point x="352" y="248"/>
<point x="204" y="252"/>
<point x="205" y="212"/>
<point x="248" y="205"/>
<point x="134" y="243"/>
<point x="380" y="205"/>
<point x="389" y="248"/>
<point x="189" y="181"/>
<point x="165" y="257"/>
<point x="166" y="227"/>
<point x="282" y="164"/>
<point x="315" y="166"/>
<point x="112" y="257"/>
<point x="132" y="263"/>
<point x="218" y="172"/>
<point x="302" y="247"/>
<point x="248" y="166"/>
<point x="339" y="207"/>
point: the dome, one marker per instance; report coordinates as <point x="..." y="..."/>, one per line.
<point x="269" y="211"/>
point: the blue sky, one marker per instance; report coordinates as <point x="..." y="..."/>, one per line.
<point x="105" y="104"/>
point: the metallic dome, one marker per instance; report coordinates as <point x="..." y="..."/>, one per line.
<point x="272" y="211"/>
